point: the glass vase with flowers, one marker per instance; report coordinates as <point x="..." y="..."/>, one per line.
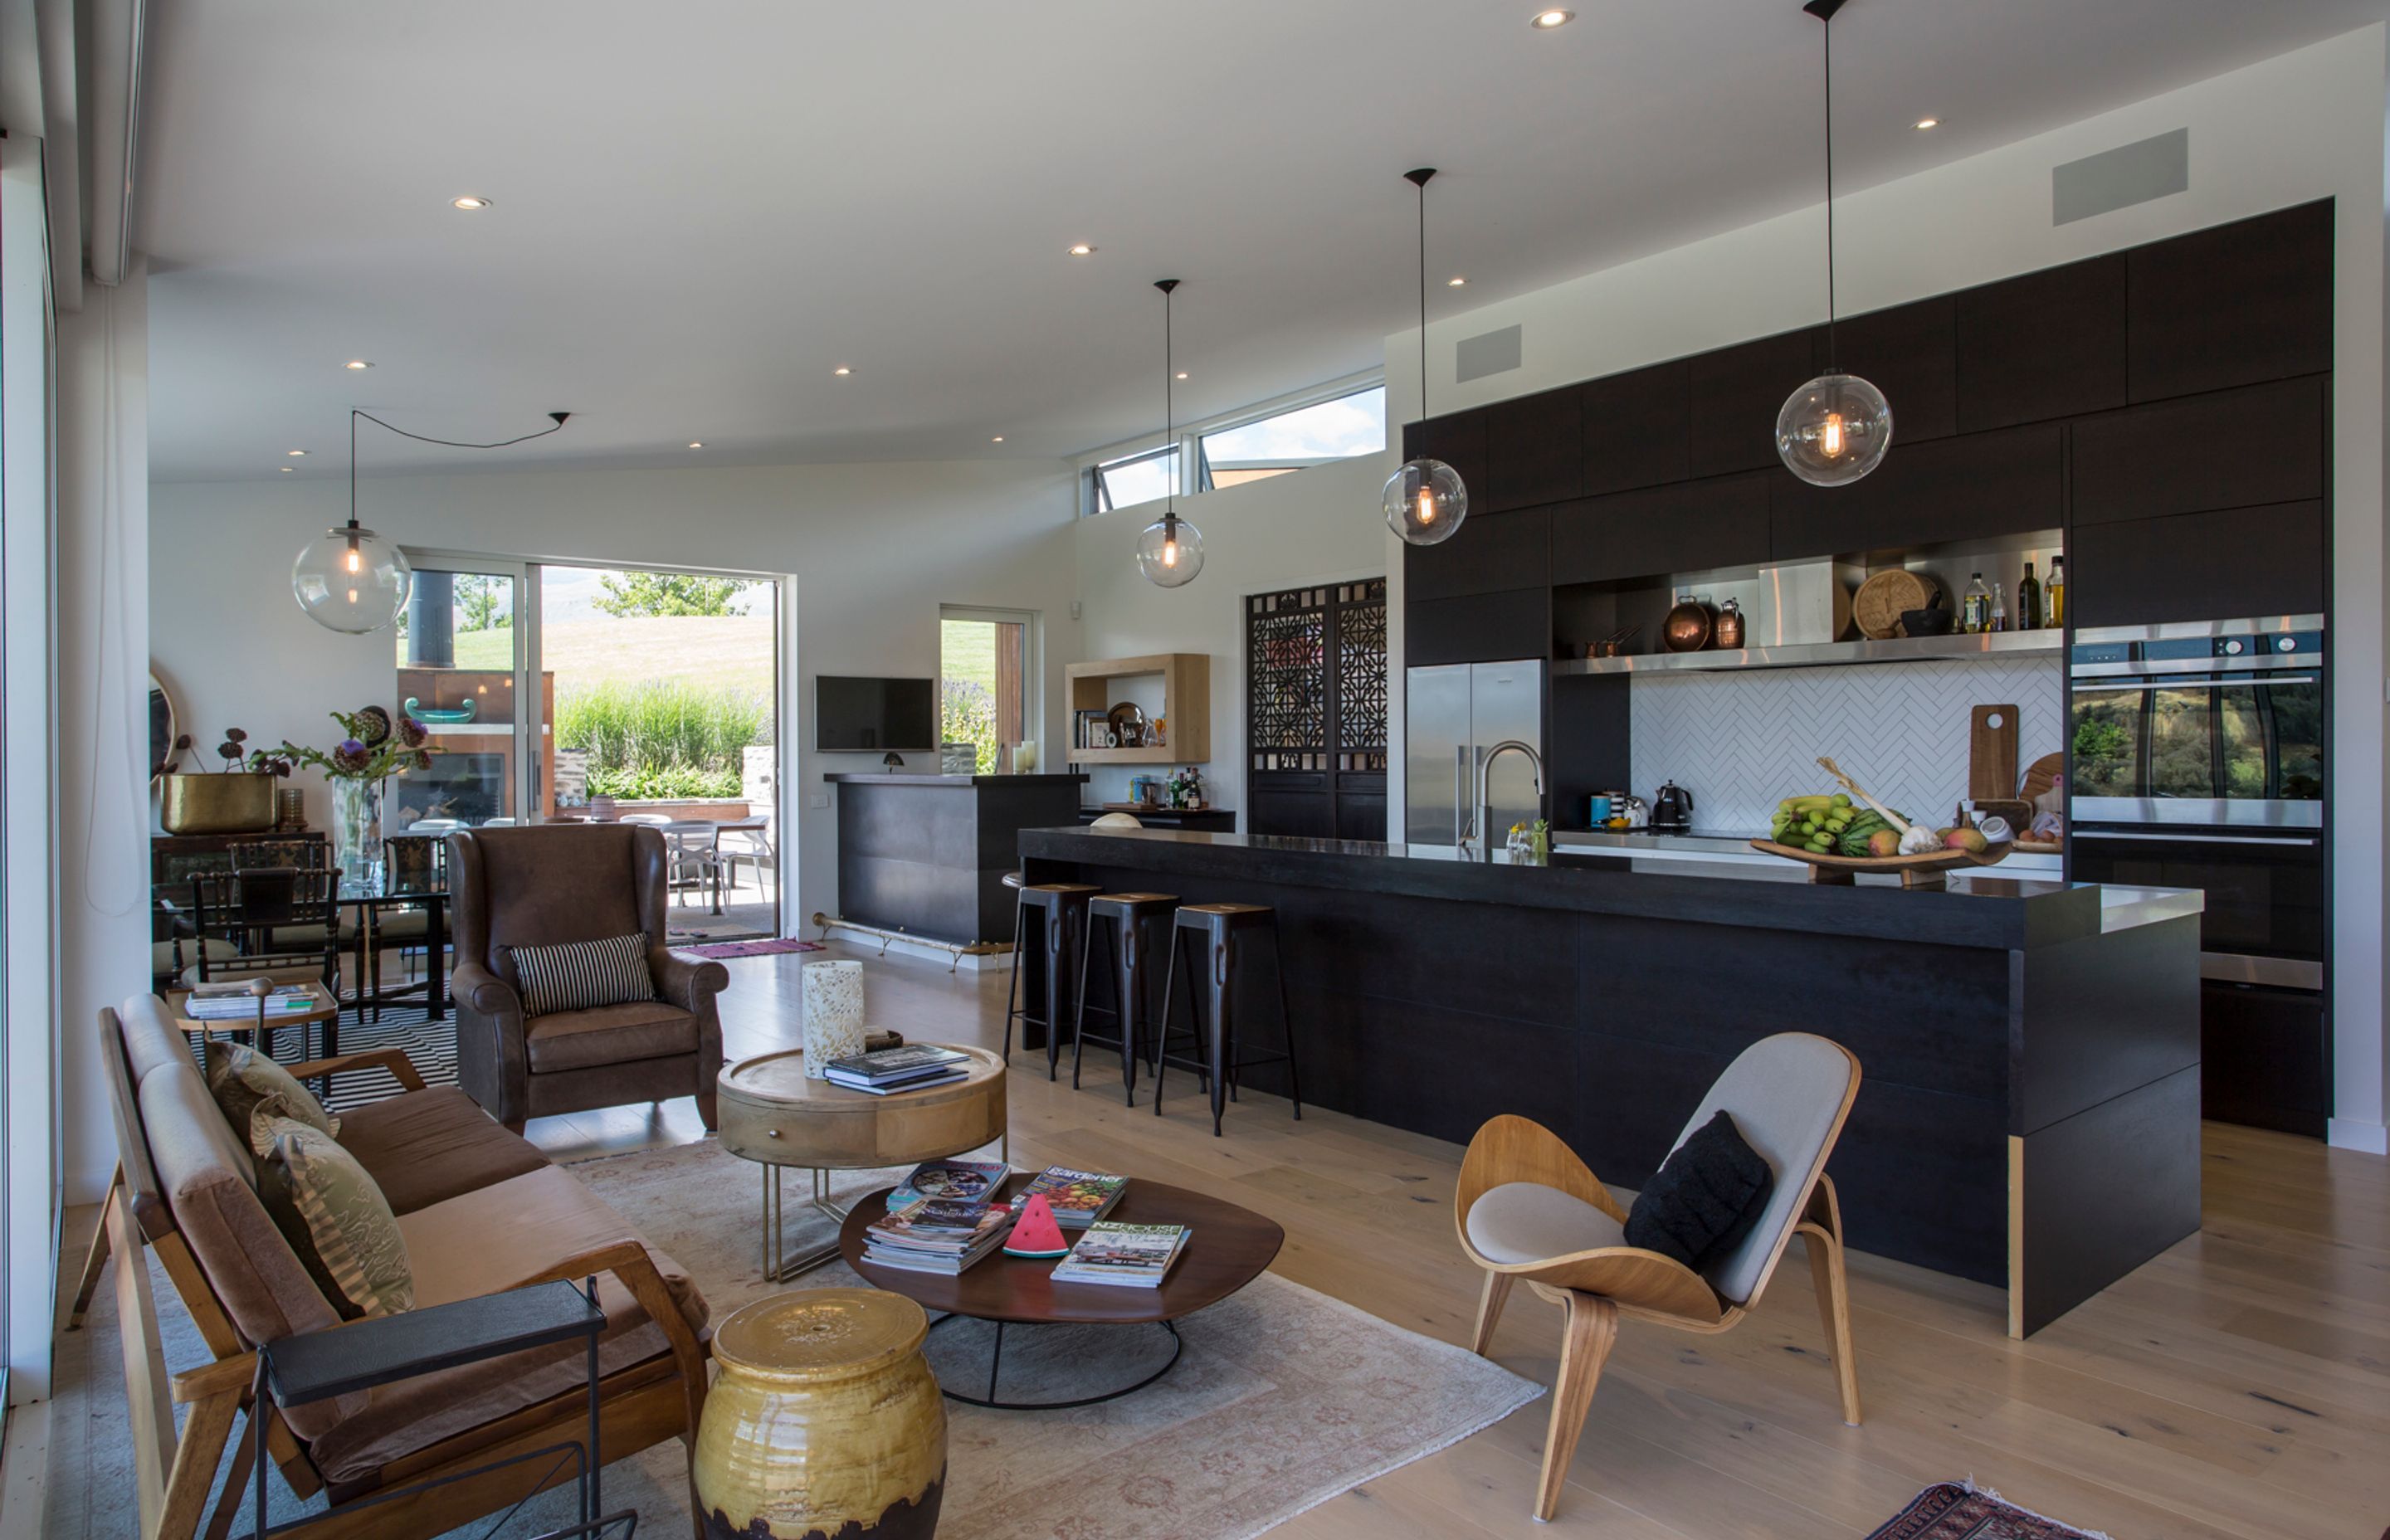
<point x="376" y="747"/>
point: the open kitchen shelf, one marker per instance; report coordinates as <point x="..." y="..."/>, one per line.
<point x="1185" y="700"/>
<point x="2047" y="643"/>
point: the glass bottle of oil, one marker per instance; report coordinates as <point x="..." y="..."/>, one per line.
<point x="2057" y="591"/>
<point x="1975" y="615"/>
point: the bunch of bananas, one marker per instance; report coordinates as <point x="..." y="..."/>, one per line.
<point x="1826" y="825"/>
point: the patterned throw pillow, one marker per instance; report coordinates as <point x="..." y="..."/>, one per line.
<point x="579" y="975"/>
<point x="241" y="1079"/>
<point x="335" y="1217"/>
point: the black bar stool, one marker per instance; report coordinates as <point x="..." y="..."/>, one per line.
<point x="1060" y="913"/>
<point x="1134" y="919"/>
<point x="1015" y="881"/>
<point x="1211" y="936"/>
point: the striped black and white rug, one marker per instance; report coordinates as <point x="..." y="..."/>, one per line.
<point x="432" y="1046"/>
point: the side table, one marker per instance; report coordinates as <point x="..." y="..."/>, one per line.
<point x="772" y="1115"/>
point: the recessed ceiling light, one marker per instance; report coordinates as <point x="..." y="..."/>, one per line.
<point x="469" y="203"/>
<point x="697" y="443"/>
<point x="297" y="453"/>
<point x="286" y="468"/>
<point x="1455" y="281"/>
<point x="1545" y="20"/>
<point x="999" y="439"/>
<point x="1929" y="123"/>
<point x="358" y="363"/>
<point x="1082" y="250"/>
<point x="841" y="370"/>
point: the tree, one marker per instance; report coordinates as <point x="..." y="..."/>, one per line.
<point x="670" y="594"/>
<point x="480" y="603"/>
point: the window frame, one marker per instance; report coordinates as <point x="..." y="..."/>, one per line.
<point x="1032" y="652"/>
<point x="1194" y="470"/>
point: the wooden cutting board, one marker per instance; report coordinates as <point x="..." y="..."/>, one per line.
<point x="1992" y="754"/>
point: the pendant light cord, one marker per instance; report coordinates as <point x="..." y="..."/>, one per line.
<point x="1834" y="355"/>
<point x="1169" y="410"/>
<point x="1422" y="293"/>
<point x="355" y="413"/>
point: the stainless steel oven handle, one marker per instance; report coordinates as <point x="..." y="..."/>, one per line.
<point x="2177" y="681"/>
<point x="2079" y="833"/>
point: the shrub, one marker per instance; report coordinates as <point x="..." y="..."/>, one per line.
<point x="663" y="738"/>
<point x="967" y="714"/>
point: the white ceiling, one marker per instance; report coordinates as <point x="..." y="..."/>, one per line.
<point x="700" y="209"/>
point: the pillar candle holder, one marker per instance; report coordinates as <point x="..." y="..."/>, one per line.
<point x="833" y="1014"/>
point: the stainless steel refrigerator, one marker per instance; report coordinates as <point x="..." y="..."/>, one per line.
<point x="1452" y="714"/>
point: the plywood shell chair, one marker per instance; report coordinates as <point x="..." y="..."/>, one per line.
<point x="1553" y="1226"/>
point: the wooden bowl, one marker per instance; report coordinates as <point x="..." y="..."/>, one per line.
<point x="1928" y="870"/>
<point x="1877" y="607"/>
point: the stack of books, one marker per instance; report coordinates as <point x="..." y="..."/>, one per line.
<point x="937" y="1235"/>
<point x="1079" y="1197"/>
<point x="229" y="1000"/>
<point x="977" y="1181"/>
<point x="1129" y="1256"/>
<point x="915" y="1067"/>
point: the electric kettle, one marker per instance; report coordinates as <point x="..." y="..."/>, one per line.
<point x="1672" y="809"/>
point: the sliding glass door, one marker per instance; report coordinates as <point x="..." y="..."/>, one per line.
<point x="463" y="672"/>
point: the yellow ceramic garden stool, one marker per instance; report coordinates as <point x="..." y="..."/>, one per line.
<point x="824" y="1421"/>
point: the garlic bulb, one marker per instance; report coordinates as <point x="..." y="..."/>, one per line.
<point x="1920" y="841"/>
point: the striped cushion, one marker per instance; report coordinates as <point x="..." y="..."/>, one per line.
<point x="334" y="1215"/>
<point x="582" y="974"/>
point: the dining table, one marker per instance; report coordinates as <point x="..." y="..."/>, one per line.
<point x="401" y="886"/>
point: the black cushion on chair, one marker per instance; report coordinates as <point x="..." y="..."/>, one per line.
<point x="1705" y="1198"/>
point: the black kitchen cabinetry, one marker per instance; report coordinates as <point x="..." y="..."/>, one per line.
<point x="1945" y="490"/>
<point x="1910" y="353"/>
<point x="1719" y="522"/>
<point x="1733" y="396"/>
<point x="2264" y="1057"/>
<point x="1478" y="628"/>
<point x="1492" y="553"/>
<point x="2232" y="305"/>
<point x="2200" y="452"/>
<point x="2198" y="566"/>
<point x="1637" y="428"/>
<point x="1458" y="440"/>
<point x="1534" y="451"/>
<point x="2048" y="344"/>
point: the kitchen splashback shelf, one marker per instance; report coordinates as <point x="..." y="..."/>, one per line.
<point x="2047" y="643"/>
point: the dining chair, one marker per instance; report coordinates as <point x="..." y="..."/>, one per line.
<point x="268" y="918"/>
<point x="1528" y="1209"/>
<point x="751" y="843"/>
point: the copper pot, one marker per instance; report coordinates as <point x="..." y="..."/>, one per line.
<point x="1686" y="628"/>
<point x="1728" y="633"/>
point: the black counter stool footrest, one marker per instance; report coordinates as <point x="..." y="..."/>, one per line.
<point x="1134" y="919"/>
<point x="1060" y="911"/>
<point x="1210" y="936"/>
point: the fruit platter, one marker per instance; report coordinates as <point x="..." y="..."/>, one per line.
<point x="1840" y="834"/>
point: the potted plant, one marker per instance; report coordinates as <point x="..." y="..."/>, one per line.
<point x="374" y="748"/>
<point x="234" y="798"/>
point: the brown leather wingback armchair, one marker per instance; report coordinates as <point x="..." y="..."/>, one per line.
<point x="544" y="884"/>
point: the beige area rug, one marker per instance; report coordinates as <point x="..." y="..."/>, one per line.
<point x="1283" y="1399"/>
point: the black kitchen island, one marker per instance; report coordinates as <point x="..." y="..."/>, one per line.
<point x="2030" y="1111"/>
<point x="925" y="855"/>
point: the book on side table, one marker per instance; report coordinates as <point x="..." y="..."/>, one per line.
<point x="1080" y="1197"/>
<point x="1130" y="1256"/>
<point x="232" y="1000"/>
<point x="913" y="1066"/>
<point x="937" y="1235"/>
<point x="972" y="1179"/>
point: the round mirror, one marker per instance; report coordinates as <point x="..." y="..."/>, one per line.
<point x="163" y="726"/>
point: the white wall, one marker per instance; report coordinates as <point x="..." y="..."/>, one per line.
<point x="2306" y="125"/>
<point x="1318" y="525"/>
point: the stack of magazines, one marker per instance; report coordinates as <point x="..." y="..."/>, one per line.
<point x="1079" y="1197"/>
<point x="911" y="1068"/>
<point x="937" y="1235"/>
<point x="1131" y="1256"/>
<point x="977" y="1181"/>
<point x="230" y="1000"/>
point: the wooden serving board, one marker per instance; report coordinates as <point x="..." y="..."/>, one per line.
<point x="1928" y="870"/>
<point x="1992" y="754"/>
<point x="2040" y="847"/>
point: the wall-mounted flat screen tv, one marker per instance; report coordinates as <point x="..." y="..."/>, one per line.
<point x="856" y="715"/>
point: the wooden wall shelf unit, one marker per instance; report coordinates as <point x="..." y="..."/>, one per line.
<point x="1185" y="704"/>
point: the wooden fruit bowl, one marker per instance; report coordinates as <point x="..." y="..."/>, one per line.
<point x="1931" y="869"/>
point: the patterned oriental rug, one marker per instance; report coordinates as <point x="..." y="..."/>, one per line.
<point x="747" y="948"/>
<point x="1952" y="1510"/>
<point x="1285" y="1397"/>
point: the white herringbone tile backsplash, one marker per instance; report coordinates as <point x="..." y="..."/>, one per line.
<point x="1742" y="742"/>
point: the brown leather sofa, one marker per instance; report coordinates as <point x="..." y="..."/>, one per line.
<point x="544" y="884"/>
<point x="482" y="1211"/>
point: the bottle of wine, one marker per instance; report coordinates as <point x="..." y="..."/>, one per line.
<point x="2028" y="605"/>
<point x="2057" y="591"/>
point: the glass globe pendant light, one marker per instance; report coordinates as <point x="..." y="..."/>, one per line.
<point x="1425" y="500"/>
<point x="351" y="580"/>
<point x="1170" y="551"/>
<point x="1835" y="428"/>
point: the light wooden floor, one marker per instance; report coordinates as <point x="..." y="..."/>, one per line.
<point x="2237" y="1386"/>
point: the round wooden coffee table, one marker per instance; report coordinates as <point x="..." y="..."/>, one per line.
<point x="1229" y="1248"/>
<point x="770" y="1113"/>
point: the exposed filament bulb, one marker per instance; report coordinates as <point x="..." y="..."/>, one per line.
<point x="1426" y="504"/>
<point x="1830" y="436"/>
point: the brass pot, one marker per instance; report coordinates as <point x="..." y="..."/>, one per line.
<point x="218" y="805"/>
<point x="1686" y="628"/>
<point x="824" y="1421"/>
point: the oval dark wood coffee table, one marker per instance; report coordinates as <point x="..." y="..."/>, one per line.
<point x="1229" y="1248"/>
